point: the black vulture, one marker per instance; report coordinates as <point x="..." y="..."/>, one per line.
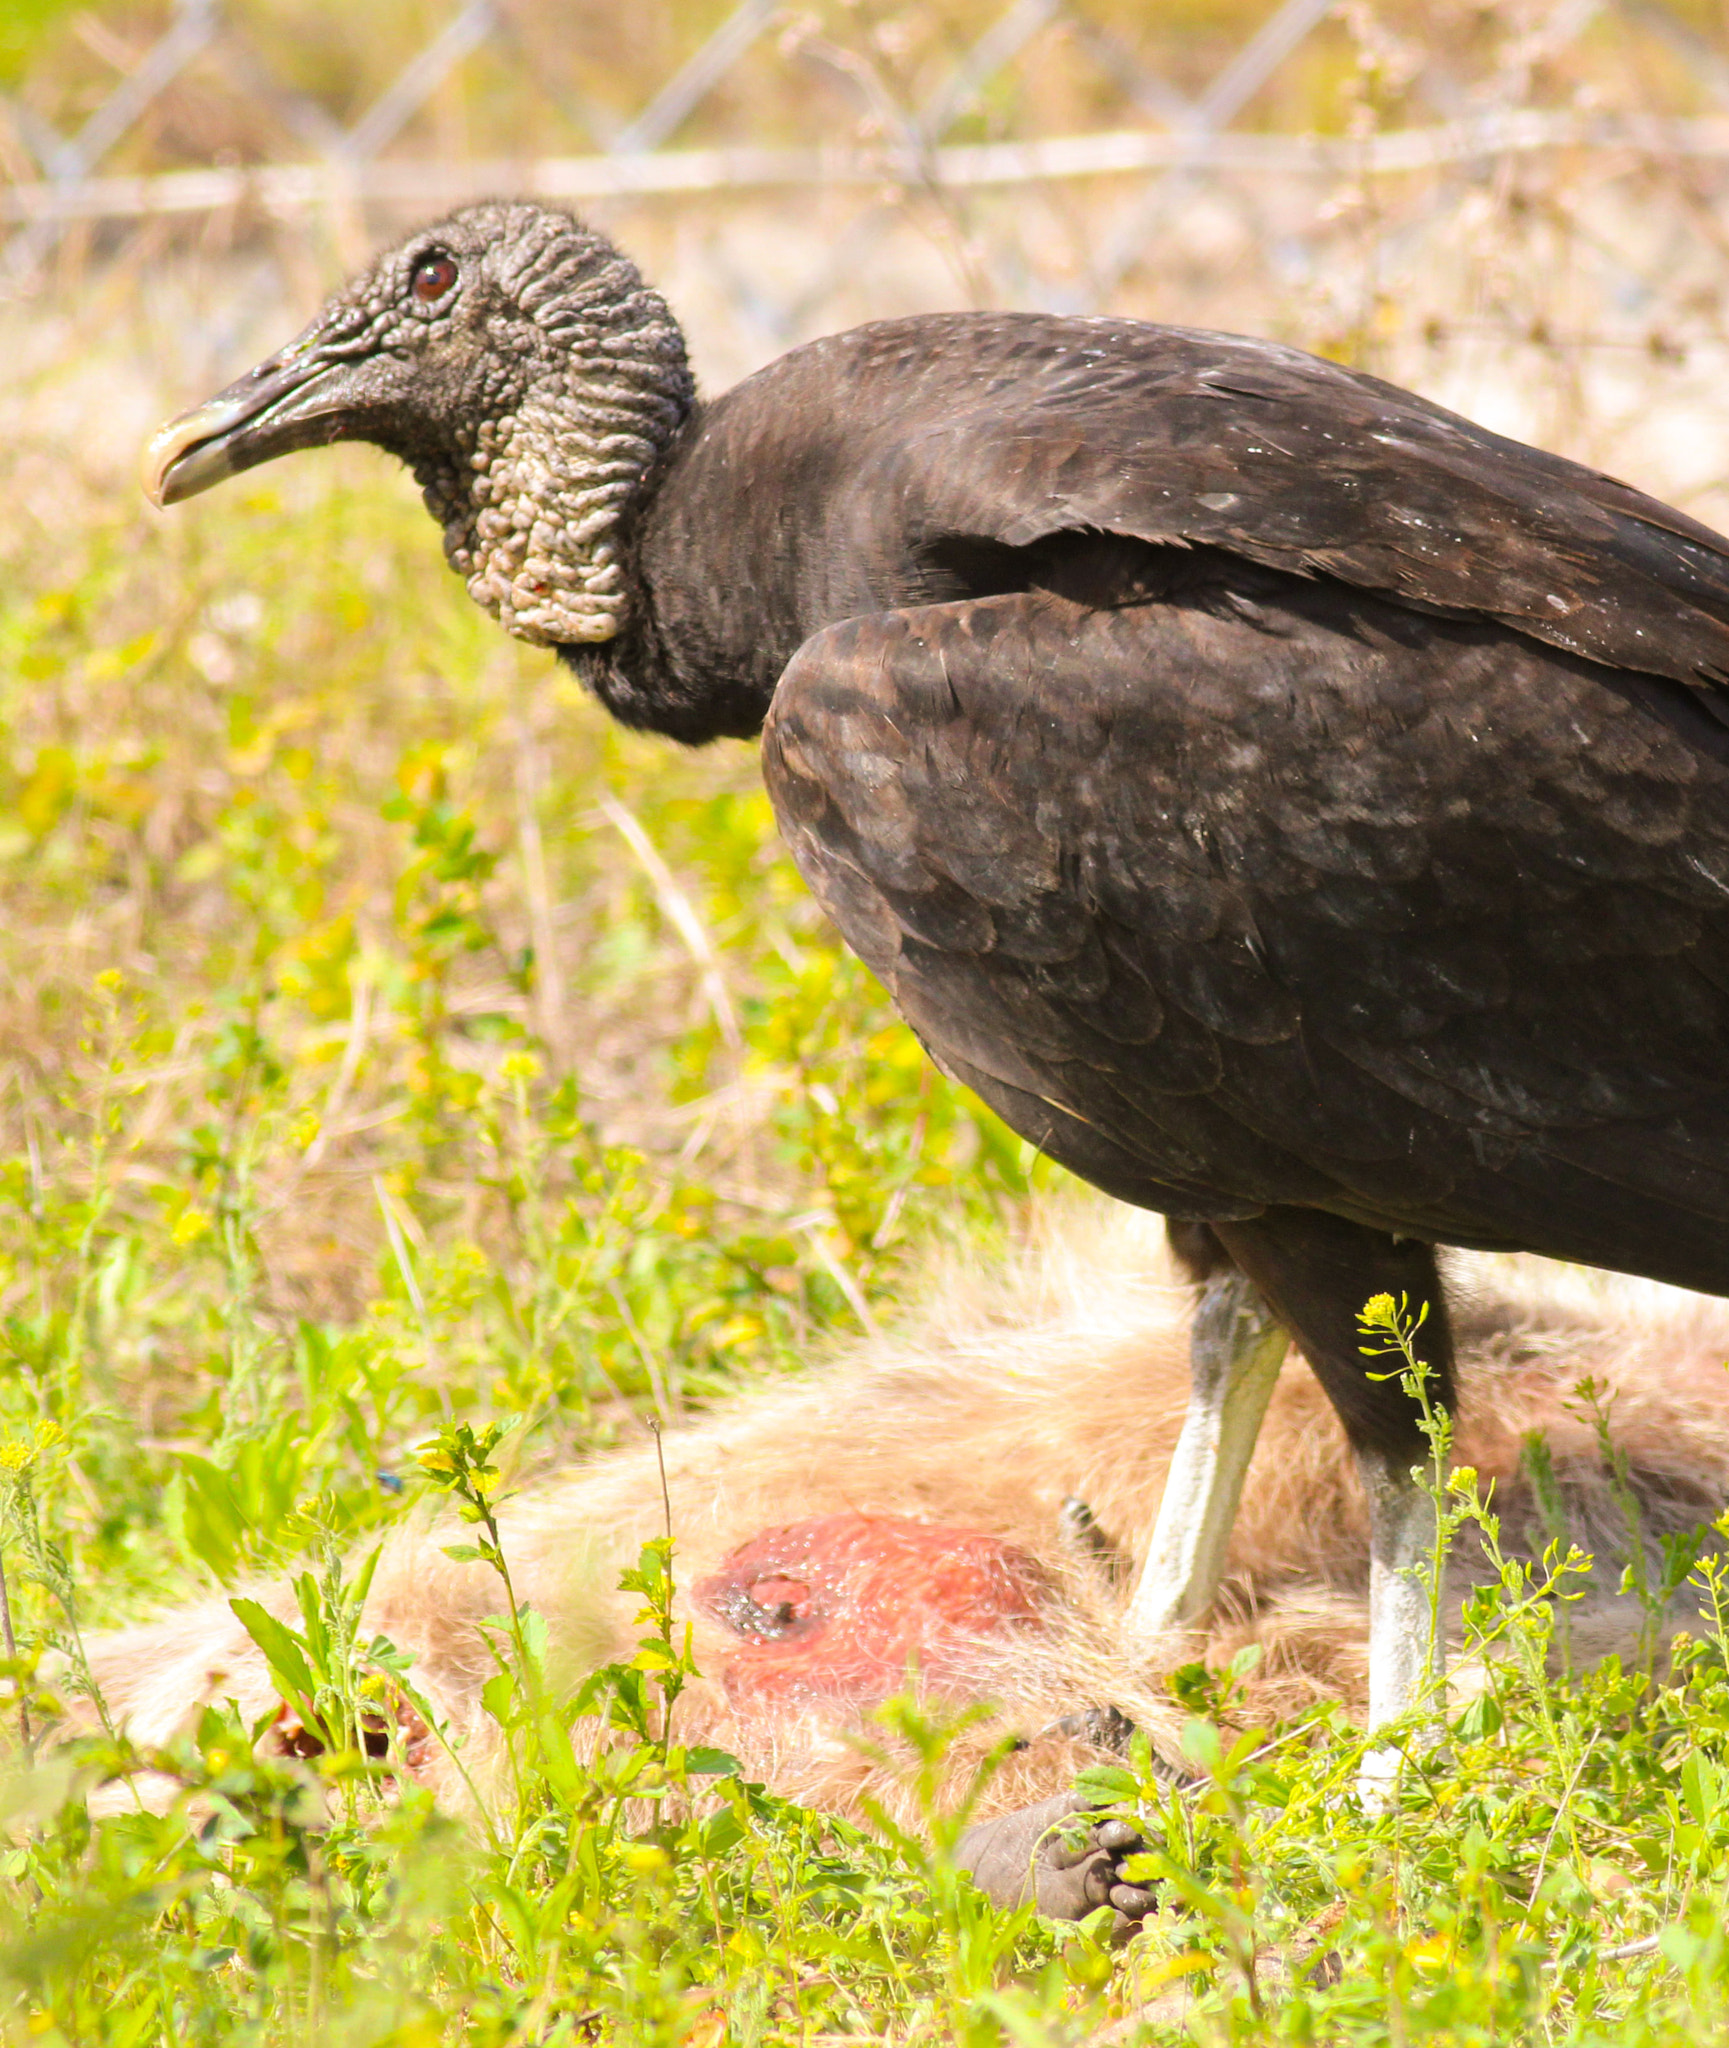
<point x="1293" y="807"/>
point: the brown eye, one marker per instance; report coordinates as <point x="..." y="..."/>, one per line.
<point x="433" y="277"/>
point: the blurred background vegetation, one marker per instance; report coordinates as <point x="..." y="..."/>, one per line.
<point x="384" y="1038"/>
<point x="1505" y="197"/>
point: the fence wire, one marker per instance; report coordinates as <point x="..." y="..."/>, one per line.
<point x="1538" y="186"/>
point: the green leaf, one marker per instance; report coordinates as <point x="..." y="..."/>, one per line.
<point x="1107" y="1785"/>
<point x="1700" y="1788"/>
<point x="1247" y="1660"/>
<point x="536" y="1641"/>
<point x="317" y="1636"/>
<point x="1481" y="1717"/>
<point x="712" y="1763"/>
<point x="282" y="1648"/>
<point x="1201" y="1744"/>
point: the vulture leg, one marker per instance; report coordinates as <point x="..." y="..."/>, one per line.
<point x="1401" y="1657"/>
<point x="1317" y="1271"/>
<point x="1235" y="1351"/>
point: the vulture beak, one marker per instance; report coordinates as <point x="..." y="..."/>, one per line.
<point x="291" y="400"/>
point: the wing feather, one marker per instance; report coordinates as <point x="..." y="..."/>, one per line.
<point x="1433" y="933"/>
<point x="1015" y="428"/>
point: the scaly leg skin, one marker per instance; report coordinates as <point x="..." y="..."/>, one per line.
<point x="1402" y="1660"/>
<point x="1235" y="1351"/>
<point x="1317" y="1271"/>
<point x="1068" y="1872"/>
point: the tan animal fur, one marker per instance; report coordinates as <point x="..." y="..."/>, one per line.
<point x="1003" y="1397"/>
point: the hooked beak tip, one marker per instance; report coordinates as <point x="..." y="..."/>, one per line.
<point x="185" y="456"/>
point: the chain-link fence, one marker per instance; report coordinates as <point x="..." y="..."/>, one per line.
<point x="1475" y="195"/>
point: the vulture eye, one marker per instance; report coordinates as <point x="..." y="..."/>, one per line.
<point x="433" y="277"/>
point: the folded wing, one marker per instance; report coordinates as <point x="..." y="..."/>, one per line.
<point x="1276" y="892"/>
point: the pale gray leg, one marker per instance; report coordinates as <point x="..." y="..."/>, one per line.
<point x="1402" y="1659"/>
<point x="1235" y="1351"/>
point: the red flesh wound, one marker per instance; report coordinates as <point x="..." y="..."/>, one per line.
<point x="832" y="1609"/>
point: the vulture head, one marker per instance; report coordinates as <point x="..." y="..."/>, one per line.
<point x="521" y="368"/>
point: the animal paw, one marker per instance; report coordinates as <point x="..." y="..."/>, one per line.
<point x="1066" y="1862"/>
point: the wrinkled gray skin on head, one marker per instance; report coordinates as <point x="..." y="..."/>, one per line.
<point x="530" y="399"/>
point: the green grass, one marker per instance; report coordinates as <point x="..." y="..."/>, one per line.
<point x="364" y="1086"/>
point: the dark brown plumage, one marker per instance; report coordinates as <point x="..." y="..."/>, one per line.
<point x="1292" y="806"/>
